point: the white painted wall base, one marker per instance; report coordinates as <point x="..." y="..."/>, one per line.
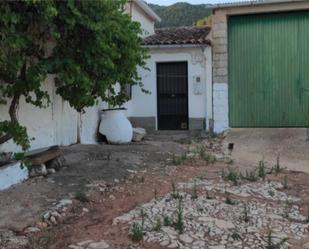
<point x="12" y="174"/>
<point x="221" y="107"/>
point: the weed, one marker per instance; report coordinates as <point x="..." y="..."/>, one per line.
<point x="81" y="196"/>
<point x="271" y="244"/>
<point x="175" y="193"/>
<point x="228" y="199"/>
<point x="271" y="193"/>
<point x="137" y="232"/>
<point x="194" y="191"/>
<point x="155" y="194"/>
<point x="285" y="182"/>
<point x="262" y="169"/>
<point x="277" y="169"/>
<point x="236" y="236"/>
<point x="229" y="161"/>
<point x="287" y="209"/>
<point x="167" y="221"/>
<point x="42" y="242"/>
<point x="143" y="216"/>
<point x="231" y="175"/>
<point x="208" y="197"/>
<point x="251" y="176"/>
<point x="179" y="224"/>
<point x="158" y="225"/>
<point x="179" y="160"/>
<point x="202" y="152"/>
<point x="246" y="214"/>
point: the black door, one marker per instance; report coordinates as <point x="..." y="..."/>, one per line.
<point x="172" y="87"/>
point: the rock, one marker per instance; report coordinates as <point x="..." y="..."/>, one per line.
<point x="32" y="230"/>
<point x="98" y="245"/>
<point x="186" y="238"/>
<point x="86" y="210"/>
<point x="46" y="216"/>
<point x="84" y="243"/>
<point x="75" y="247"/>
<point x="138" y="134"/>
<point x="64" y="202"/>
<point x="165" y="242"/>
<point x="53" y="220"/>
<point x="56" y="163"/>
<point x="42" y="224"/>
<point x="38" y="170"/>
<point x="169" y="231"/>
<point x="51" y="171"/>
<point x="55" y="214"/>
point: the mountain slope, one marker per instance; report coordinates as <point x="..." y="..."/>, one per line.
<point x="180" y="14"/>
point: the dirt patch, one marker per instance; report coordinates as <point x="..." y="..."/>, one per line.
<point x="23" y="204"/>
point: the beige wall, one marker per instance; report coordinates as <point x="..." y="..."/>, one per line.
<point x="220" y="52"/>
<point x="220" y="27"/>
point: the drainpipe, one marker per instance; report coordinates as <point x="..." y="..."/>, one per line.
<point x="208" y="91"/>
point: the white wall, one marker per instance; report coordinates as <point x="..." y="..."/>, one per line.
<point x="58" y="124"/>
<point x="221" y="107"/>
<point x="199" y="64"/>
<point x="138" y="15"/>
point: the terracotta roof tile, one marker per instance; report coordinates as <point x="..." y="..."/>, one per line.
<point x="179" y="36"/>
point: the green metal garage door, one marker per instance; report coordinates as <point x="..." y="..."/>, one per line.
<point x="269" y="70"/>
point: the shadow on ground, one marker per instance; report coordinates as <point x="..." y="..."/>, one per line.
<point x="23" y="204"/>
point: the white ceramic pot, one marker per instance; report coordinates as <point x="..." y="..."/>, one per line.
<point x="116" y="127"/>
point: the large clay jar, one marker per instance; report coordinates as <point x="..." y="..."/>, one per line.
<point x="115" y="126"/>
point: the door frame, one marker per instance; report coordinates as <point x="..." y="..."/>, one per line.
<point x="187" y="90"/>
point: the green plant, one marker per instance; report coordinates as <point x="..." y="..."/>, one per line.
<point x="287" y="209"/>
<point x="285" y="182"/>
<point x="262" y="169"/>
<point x="143" y="216"/>
<point x="42" y="242"/>
<point x="89" y="47"/>
<point x="251" y="176"/>
<point x="277" y="169"/>
<point x="81" y="196"/>
<point x="155" y="194"/>
<point x="271" y="193"/>
<point x="271" y="244"/>
<point x="228" y="199"/>
<point x="231" y="175"/>
<point x="179" y="223"/>
<point x="175" y="193"/>
<point x="137" y="233"/>
<point x="229" y="161"/>
<point x="194" y="191"/>
<point x="208" y="197"/>
<point x="158" y="225"/>
<point x="236" y="236"/>
<point x="167" y="221"/>
<point x="246" y="214"/>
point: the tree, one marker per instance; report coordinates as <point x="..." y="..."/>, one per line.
<point x="206" y="21"/>
<point x="89" y="45"/>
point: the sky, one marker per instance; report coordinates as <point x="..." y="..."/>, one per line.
<point x="169" y="2"/>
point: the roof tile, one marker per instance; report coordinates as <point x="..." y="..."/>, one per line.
<point x="179" y="36"/>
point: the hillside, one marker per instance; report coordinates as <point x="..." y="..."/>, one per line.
<point x="180" y="14"/>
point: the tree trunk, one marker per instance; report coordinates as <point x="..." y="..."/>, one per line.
<point x="13" y="107"/>
<point x="13" y="115"/>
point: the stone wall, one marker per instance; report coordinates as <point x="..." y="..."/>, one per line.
<point x="220" y="72"/>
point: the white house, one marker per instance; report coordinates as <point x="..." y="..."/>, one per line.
<point x="184" y="57"/>
<point x="60" y="124"/>
<point x="179" y="80"/>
